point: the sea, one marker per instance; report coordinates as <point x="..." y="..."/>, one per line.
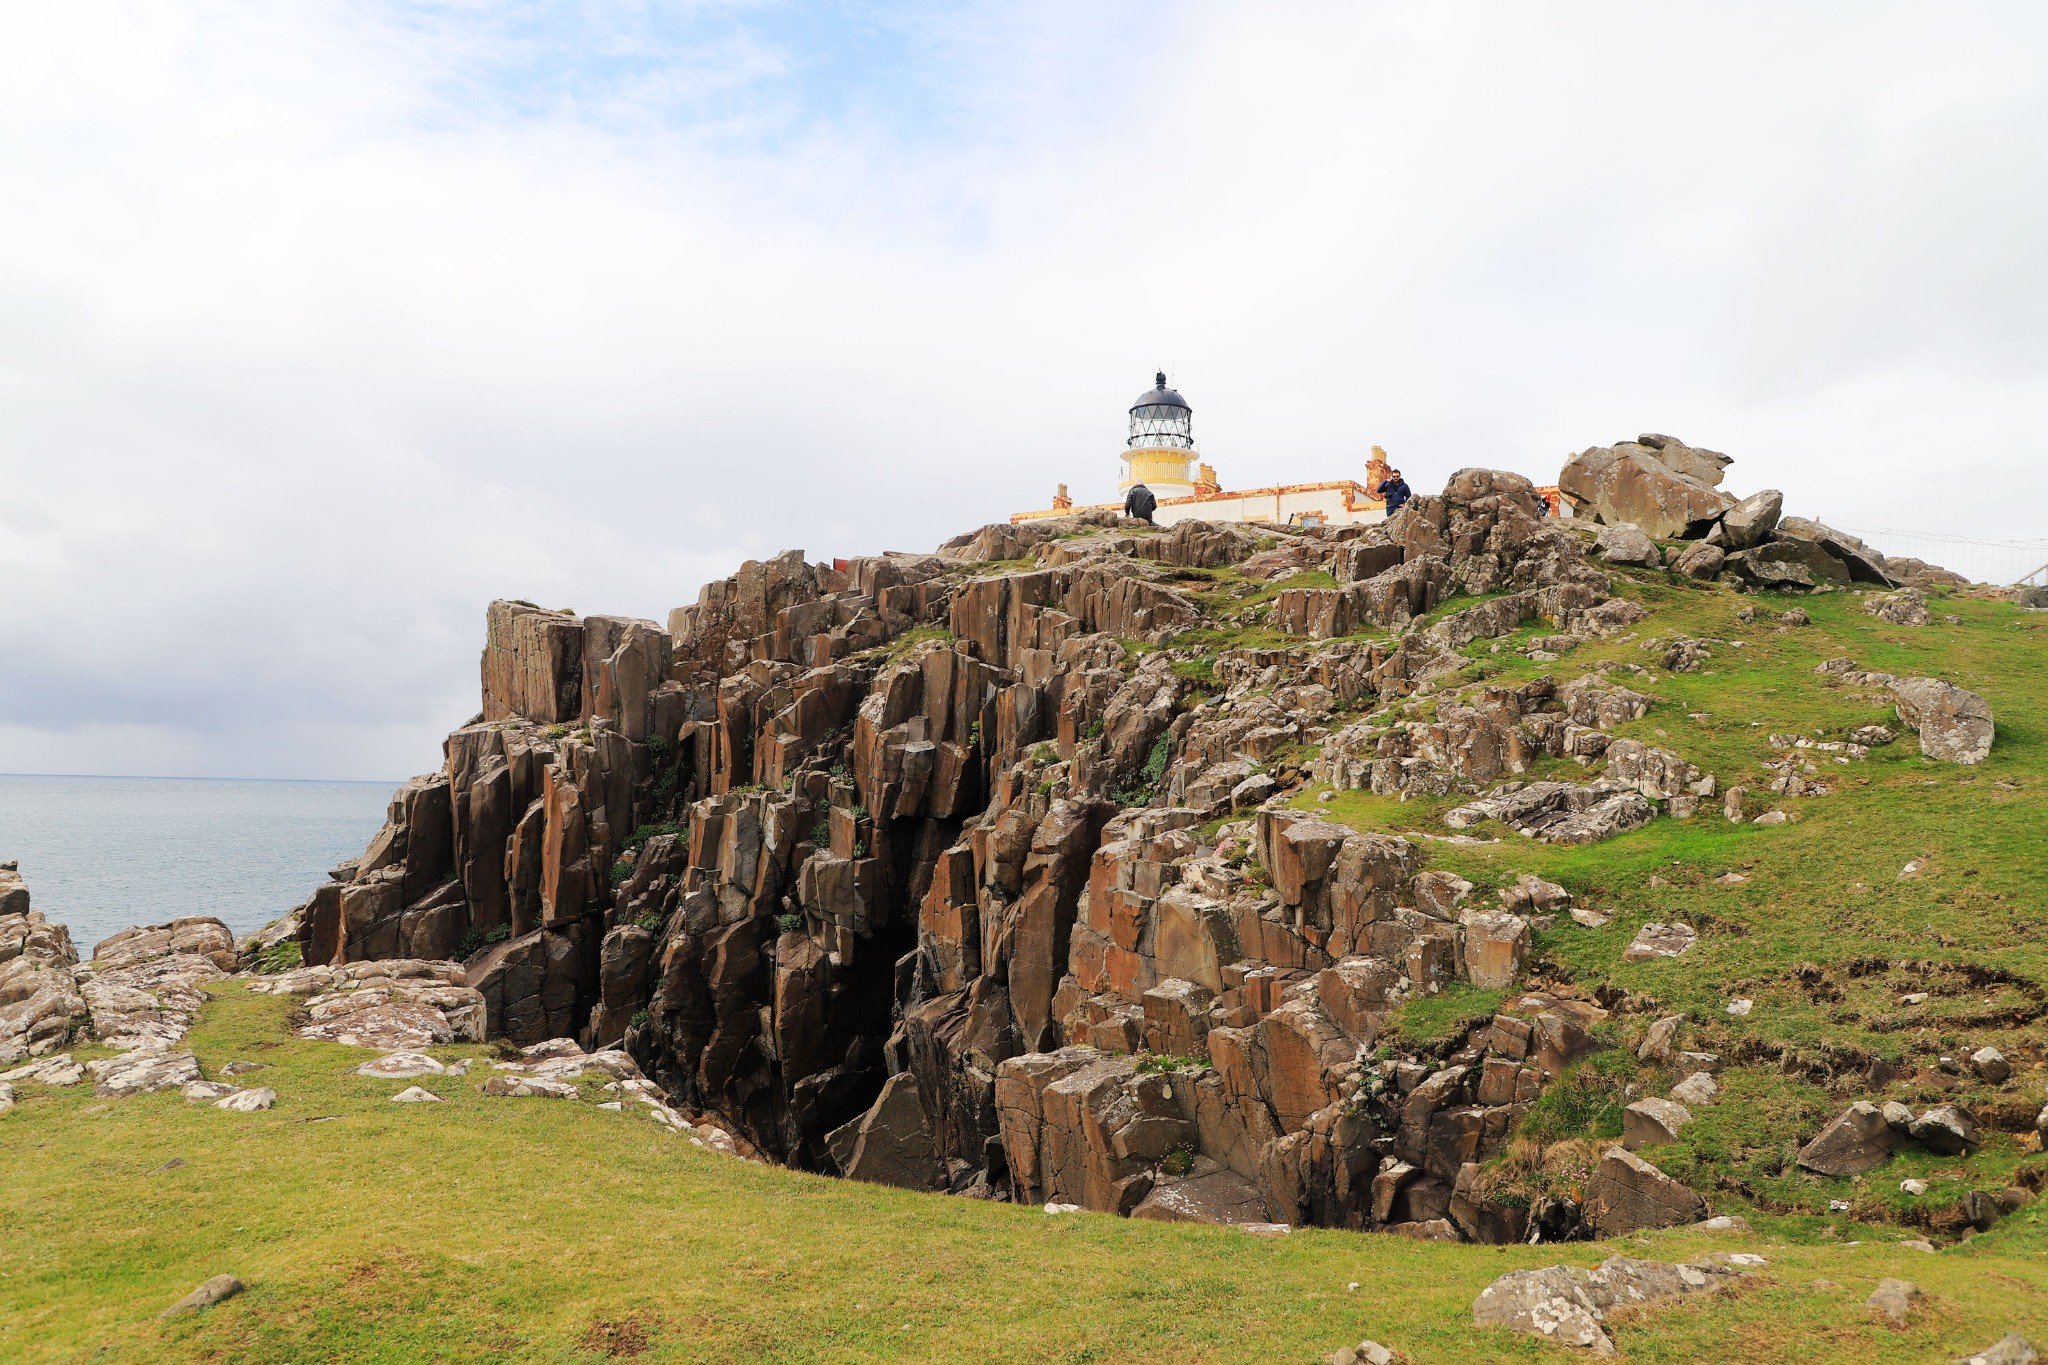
<point x="102" y="853"/>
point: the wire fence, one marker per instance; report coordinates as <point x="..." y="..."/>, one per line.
<point x="1981" y="561"/>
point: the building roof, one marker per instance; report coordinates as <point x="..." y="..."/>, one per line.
<point x="1161" y="396"/>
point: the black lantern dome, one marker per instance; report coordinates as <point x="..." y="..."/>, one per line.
<point x="1161" y="419"/>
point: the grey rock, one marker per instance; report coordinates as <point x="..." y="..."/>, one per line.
<point x="1906" y="607"/>
<point x="1656" y="940"/>
<point x="1627" y="544"/>
<point x="1990" y="1064"/>
<point x="2010" y="1349"/>
<point x="401" y="1066"/>
<point x="1695" y="1090"/>
<point x="1626" y="1194"/>
<point x="1859" y="561"/>
<point x="1955" y="725"/>
<point x="1631" y="483"/>
<point x="1652" y="1122"/>
<point x="1786" y="565"/>
<point x="520" y="1087"/>
<point x="1947" y="1128"/>
<point x="1569" y="1306"/>
<point x="1894" y="1299"/>
<point x="141" y="1071"/>
<point x="1657" y="1039"/>
<point x="206" y="1295"/>
<point x="248" y="1101"/>
<point x="208" y="1091"/>
<point x="414" y="1094"/>
<point x="1751" y="521"/>
<point x="57" y="1070"/>
<point x="1702" y="560"/>
<point x="1857" y="1140"/>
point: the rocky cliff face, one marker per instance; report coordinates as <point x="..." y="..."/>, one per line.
<point x="957" y="871"/>
<point x="973" y="872"/>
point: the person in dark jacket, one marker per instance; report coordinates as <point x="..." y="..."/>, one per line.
<point x="1394" y="490"/>
<point x="1139" y="502"/>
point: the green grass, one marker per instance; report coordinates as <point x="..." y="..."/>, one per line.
<point x="539" y="1230"/>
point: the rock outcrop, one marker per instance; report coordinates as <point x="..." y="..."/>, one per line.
<point x="40" y="1006"/>
<point x="966" y="872"/>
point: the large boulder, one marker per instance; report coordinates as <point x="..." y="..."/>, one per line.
<point x="1569" y="1306"/>
<point x="1858" y="1140"/>
<point x="1955" y="725"/>
<point x="1627" y="1194"/>
<point x="1631" y="483"/>
<point x="1948" y="1129"/>
<point x="1627" y="544"/>
<point x="1859" y="561"/>
<point x="1786" y="566"/>
<point x="1751" y="521"/>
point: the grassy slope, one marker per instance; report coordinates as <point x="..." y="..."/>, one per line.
<point x="517" y="1229"/>
<point x="1823" y="891"/>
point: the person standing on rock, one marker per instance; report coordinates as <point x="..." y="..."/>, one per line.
<point x="1139" y="502"/>
<point x="1394" y="491"/>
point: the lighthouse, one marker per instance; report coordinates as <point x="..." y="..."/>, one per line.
<point x="1162" y="442"/>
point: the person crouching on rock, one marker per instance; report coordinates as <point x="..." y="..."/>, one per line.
<point x="1394" y="491"/>
<point x="1139" y="502"/>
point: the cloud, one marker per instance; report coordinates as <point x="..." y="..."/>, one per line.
<point x="322" y="325"/>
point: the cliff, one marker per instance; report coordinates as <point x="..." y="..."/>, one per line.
<point x="993" y="871"/>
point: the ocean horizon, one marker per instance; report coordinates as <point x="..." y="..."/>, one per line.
<point x="102" y="853"/>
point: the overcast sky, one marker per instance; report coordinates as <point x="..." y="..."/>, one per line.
<point x="323" y="324"/>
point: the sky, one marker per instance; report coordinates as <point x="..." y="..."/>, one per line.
<point x="324" y="323"/>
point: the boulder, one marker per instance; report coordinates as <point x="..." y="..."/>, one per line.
<point x="1655" y="940"/>
<point x="1861" y="563"/>
<point x="401" y="1066"/>
<point x="891" y="1144"/>
<point x="1786" y="566"/>
<point x="1750" y="522"/>
<point x="521" y="1087"/>
<point x="1894" y="1299"/>
<point x="1628" y="483"/>
<point x="1626" y="544"/>
<point x="1955" y="725"/>
<point x="1990" y="1064"/>
<point x="1702" y="560"/>
<point x="1652" y="1122"/>
<point x="248" y="1101"/>
<point x="1569" y="1306"/>
<point x="414" y="1094"/>
<point x="1906" y="607"/>
<point x="1696" y="1089"/>
<point x="142" y="1071"/>
<point x="2010" y="1349"/>
<point x="206" y="1295"/>
<point x="1855" y="1141"/>
<point x="1626" y="1193"/>
<point x="1219" y="1197"/>
<point x="1948" y="1129"/>
<point x="1657" y="1039"/>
